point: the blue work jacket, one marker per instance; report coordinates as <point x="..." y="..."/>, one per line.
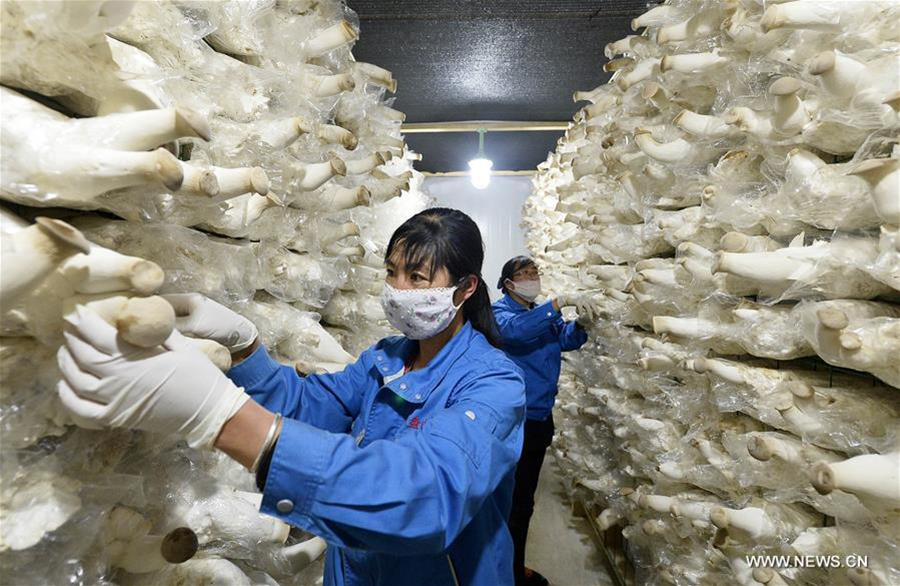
<point x="535" y="340"/>
<point x="408" y="477"/>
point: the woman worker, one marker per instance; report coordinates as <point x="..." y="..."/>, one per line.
<point x="534" y="336"/>
<point x="403" y="462"/>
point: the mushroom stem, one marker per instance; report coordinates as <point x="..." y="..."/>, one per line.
<point x="106" y="169"/>
<point x="281" y="133"/>
<point x="883" y="178"/>
<point x="389" y="186"/>
<point x="761" y="266"/>
<point x="617" y="64"/>
<point x="323" y="86"/>
<point x="751" y="521"/>
<point x="339" y="232"/>
<point x="802" y="164"/>
<point x="662" y="277"/>
<point x="144" y="130"/>
<point x="653" y="17"/>
<point x="704" y="24"/>
<point x="800" y="15"/>
<point x="696" y="510"/>
<point x="751" y="122"/>
<point x="701" y="124"/>
<point x="240" y="180"/>
<point x="107" y="271"/>
<point x="391" y="114"/>
<point x="656" y="502"/>
<point x="669" y="152"/>
<point x="330" y="39"/>
<point x="721" y="368"/>
<point x="625" y="45"/>
<point x="790" y="116"/>
<point x="738" y="242"/>
<point x="641" y="71"/>
<point x="198" y="181"/>
<point x="315" y="175"/>
<point x="599" y="107"/>
<point x="590" y="95"/>
<point x="692" y="62"/>
<point x="839" y="75"/>
<point x="29" y="255"/>
<point x="364" y="165"/>
<point x="343" y="198"/>
<point x="377" y="75"/>
<point x="348" y="251"/>
<point x="796" y="417"/>
<point x="684" y="327"/>
<point x="869" y="476"/>
<point x="337" y="135"/>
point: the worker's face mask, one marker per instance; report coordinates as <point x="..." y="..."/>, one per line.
<point x="527" y="290"/>
<point x="419" y="313"/>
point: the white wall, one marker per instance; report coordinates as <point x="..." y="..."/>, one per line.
<point x="497" y="210"/>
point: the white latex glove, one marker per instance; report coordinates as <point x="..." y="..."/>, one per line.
<point x="584" y="308"/>
<point x="587" y="313"/>
<point x="202" y="317"/>
<point x="566" y="301"/>
<point x="171" y="389"/>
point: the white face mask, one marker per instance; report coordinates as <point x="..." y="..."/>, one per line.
<point x="419" y="313"/>
<point x="527" y="290"/>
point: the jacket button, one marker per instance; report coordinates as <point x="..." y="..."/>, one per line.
<point x="384" y="368"/>
<point x="285" y="506"/>
<point x="379" y="358"/>
<point x="403" y="386"/>
<point x="418" y="396"/>
<point x="549" y="314"/>
<point x="470" y="415"/>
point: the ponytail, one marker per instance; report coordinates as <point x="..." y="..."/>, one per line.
<point x="478" y="311"/>
<point x="445" y="238"/>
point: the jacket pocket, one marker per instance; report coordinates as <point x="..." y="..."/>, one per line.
<point x="472" y="433"/>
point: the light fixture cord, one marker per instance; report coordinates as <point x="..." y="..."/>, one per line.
<point x="481" y="133"/>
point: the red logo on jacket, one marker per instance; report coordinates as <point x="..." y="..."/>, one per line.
<point x="414" y="423"/>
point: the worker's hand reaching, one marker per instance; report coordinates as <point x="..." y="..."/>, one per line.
<point x="583" y="307"/>
<point x="202" y="317"/>
<point x="564" y="300"/>
<point x="170" y="389"/>
<point x="587" y="312"/>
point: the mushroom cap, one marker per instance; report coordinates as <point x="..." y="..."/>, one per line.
<point x="784" y="86"/>
<point x="179" y="545"/>
<point x="822" y="63"/>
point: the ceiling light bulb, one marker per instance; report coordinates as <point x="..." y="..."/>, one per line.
<point x="480" y="171"/>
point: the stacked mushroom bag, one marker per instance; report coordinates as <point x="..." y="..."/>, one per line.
<point x="729" y="205"/>
<point x="233" y="149"/>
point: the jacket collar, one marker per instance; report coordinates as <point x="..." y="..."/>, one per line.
<point x="416" y="386"/>
<point x="513" y="305"/>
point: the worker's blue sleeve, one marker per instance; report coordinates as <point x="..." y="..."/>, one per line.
<point x="411" y="495"/>
<point x="326" y="401"/>
<point x="571" y="335"/>
<point x="526" y="326"/>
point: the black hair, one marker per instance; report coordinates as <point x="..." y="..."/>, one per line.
<point x="513" y="266"/>
<point x="445" y="238"/>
